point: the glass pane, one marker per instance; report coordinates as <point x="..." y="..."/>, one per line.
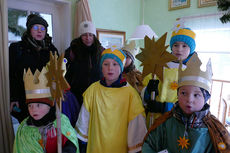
<point x="212" y="41"/>
<point x="16" y="24"/>
<point x="220" y="64"/>
<point x="48" y="18"/>
<point x="215" y="40"/>
<point x="211" y="34"/>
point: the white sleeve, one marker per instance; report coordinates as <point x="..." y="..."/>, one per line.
<point x="136" y="133"/>
<point x="143" y="95"/>
<point x="82" y="124"/>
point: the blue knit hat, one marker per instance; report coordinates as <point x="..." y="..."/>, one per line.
<point x="185" y="35"/>
<point x="115" y="54"/>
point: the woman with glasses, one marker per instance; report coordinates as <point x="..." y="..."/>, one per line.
<point x="31" y="52"/>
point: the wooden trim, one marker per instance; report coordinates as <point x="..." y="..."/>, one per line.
<point x="105" y="34"/>
<point x="205" y="3"/>
<point x="225" y="112"/>
<point x="171" y="7"/>
<point x="224" y="81"/>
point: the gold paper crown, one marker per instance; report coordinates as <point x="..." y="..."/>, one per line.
<point x="131" y="47"/>
<point x="36" y="85"/>
<point x="192" y="75"/>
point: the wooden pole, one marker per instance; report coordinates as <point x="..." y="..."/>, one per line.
<point x="59" y="140"/>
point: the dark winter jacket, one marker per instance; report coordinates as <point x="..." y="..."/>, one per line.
<point x="25" y="54"/>
<point x="84" y="68"/>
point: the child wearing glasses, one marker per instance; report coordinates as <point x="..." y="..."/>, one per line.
<point x="112" y="118"/>
<point x="31" y="52"/>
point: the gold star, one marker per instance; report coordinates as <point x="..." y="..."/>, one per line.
<point x="56" y="81"/>
<point x="183" y="142"/>
<point x="154" y="56"/>
<point x="174" y="85"/>
<point x="221" y="146"/>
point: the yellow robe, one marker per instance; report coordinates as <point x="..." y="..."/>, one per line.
<point x="111" y="110"/>
<point x="167" y="88"/>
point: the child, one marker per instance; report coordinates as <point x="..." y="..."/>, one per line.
<point x="130" y="73"/>
<point x="112" y="117"/>
<point x="70" y="105"/>
<point x="182" y="44"/>
<point x="37" y="133"/>
<point x="189" y="127"/>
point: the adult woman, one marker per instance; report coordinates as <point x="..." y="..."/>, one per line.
<point x="31" y="52"/>
<point x="83" y="67"/>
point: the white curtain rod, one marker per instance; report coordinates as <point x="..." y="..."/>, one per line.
<point x="199" y="16"/>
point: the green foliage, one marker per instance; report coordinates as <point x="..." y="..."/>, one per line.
<point x="224" y="5"/>
<point x="13" y="17"/>
<point x="225" y="18"/>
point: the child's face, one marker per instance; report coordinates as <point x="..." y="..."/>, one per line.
<point x="128" y="61"/>
<point x="190" y="98"/>
<point x="181" y="50"/>
<point x="38" y="110"/>
<point x="111" y="70"/>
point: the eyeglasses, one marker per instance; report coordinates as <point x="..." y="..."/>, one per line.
<point x="36" y="28"/>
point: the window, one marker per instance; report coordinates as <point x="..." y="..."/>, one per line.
<point x="212" y="41"/>
<point x="17" y="23"/>
<point x="57" y="13"/>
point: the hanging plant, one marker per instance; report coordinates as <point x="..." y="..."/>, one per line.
<point x="224" y="5"/>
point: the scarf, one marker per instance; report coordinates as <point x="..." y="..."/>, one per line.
<point x="36" y="44"/>
<point x="218" y="133"/>
<point x="193" y="121"/>
<point x="48" y="118"/>
<point x="45" y="125"/>
<point x="120" y="82"/>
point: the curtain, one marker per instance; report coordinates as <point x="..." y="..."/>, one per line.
<point x="6" y="129"/>
<point x="82" y="14"/>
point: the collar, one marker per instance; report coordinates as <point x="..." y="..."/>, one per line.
<point x="120" y="82"/>
<point x="195" y="120"/>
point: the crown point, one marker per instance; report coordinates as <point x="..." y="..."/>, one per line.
<point x="35" y="84"/>
<point x="193" y="75"/>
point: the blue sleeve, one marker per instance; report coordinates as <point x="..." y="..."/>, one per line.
<point x="168" y="106"/>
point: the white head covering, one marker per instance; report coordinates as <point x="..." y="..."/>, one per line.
<point x="87" y="27"/>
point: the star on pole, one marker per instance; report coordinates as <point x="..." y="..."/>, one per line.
<point x="56" y="80"/>
<point x="154" y="56"/>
